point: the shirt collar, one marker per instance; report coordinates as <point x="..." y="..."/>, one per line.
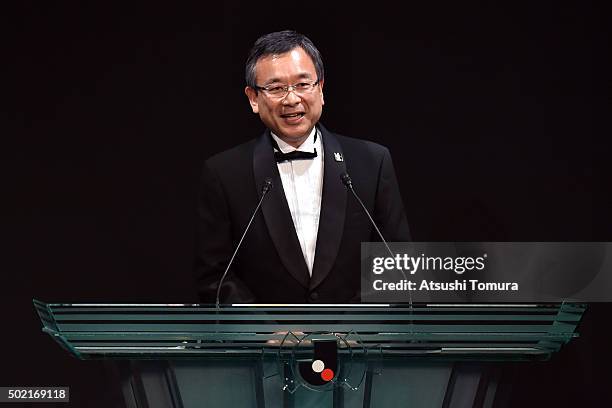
<point x="308" y="145"/>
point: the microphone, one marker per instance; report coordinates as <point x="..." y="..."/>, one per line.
<point x="264" y="190"/>
<point x="346" y="180"/>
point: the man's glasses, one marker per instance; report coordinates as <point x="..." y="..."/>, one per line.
<point x="280" y="91"/>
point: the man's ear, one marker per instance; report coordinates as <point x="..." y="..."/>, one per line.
<point x="321" y="91"/>
<point x="252" y="95"/>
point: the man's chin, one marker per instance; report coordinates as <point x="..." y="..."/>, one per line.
<point x="293" y="135"/>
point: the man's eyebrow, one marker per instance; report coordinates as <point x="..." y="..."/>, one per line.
<point x="271" y="81"/>
<point x="303" y="75"/>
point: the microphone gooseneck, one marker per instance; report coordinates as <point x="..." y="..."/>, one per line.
<point x="346" y="180"/>
<point x="264" y="190"/>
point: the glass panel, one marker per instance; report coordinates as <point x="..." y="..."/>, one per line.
<point x="440" y="331"/>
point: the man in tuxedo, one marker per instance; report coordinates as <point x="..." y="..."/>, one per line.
<point x="304" y="244"/>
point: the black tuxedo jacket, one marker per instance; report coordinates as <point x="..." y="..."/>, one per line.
<point x="270" y="266"/>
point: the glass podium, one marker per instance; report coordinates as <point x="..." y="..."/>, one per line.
<point x="365" y="355"/>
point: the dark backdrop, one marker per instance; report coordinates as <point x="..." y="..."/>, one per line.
<point x="495" y="116"/>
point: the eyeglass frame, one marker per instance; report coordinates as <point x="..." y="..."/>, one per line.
<point x="264" y="89"/>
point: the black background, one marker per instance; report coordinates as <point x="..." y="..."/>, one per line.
<point x="495" y="116"/>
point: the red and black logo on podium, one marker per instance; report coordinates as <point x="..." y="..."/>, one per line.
<point x="323" y="367"/>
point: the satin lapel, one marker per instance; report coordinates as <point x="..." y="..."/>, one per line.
<point x="333" y="208"/>
<point x="276" y="212"/>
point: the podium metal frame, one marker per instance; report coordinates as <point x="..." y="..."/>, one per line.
<point x="444" y="349"/>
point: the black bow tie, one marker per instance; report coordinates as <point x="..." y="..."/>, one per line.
<point x="294" y="155"/>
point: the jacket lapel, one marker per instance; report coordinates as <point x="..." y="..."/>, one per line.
<point x="333" y="209"/>
<point x="276" y="211"/>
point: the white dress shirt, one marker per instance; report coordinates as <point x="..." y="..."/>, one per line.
<point x="303" y="182"/>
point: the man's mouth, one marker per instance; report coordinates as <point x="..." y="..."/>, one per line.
<point x="292" y="115"/>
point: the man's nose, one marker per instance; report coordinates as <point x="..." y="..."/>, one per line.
<point x="291" y="98"/>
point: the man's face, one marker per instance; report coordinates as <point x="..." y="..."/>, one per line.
<point x="293" y="116"/>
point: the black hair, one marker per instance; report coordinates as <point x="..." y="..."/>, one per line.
<point x="281" y="42"/>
